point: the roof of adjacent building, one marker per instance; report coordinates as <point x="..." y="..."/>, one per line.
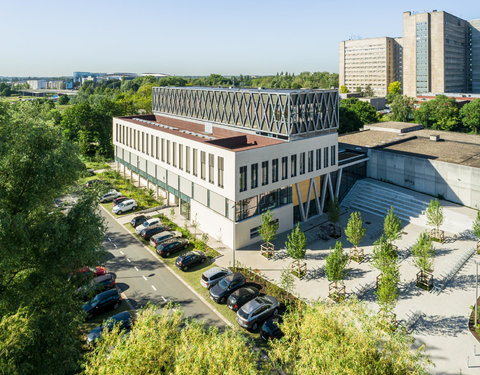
<point x="451" y="147"/>
<point x="194" y="130"/>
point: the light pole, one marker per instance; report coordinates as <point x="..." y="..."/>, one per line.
<point x="476" y="297"/>
<point x="138" y="187"/>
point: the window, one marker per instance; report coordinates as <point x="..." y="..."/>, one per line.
<point x="325" y="157"/>
<point x="302" y="163"/>
<point x="156" y="147"/>
<point x="333" y="157"/>
<point x="195" y="162"/>
<point x="243" y="178"/>
<point x="220" y="171"/>
<point x="254" y="175"/>
<point x="203" y="161"/>
<point x="187" y="159"/>
<point x="163" y="149"/>
<point x="274" y="170"/>
<point x="134" y="139"/>
<point x="168" y="151"/>
<point x="116" y="132"/>
<point x="151" y="146"/>
<point x="130" y="138"/>
<point x="143" y="142"/>
<point x="174" y="149"/>
<point x="264" y="172"/>
<point x="146" y="141"/>
<point x="284" y="167"/>
<point x="180" y="157"/>
<point x="211" y="168"/>
<point x="310" y="161"/>
<point x="293" y="162"/>
<point x="319" y="158"/>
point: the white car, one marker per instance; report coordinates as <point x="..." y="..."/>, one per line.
<point x="110" y="196"/>
<point x="148" y="223"/>
<point x="124" y="206"/>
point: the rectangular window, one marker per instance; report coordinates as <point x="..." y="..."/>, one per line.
<point x="220" y="171"/>
<point x="116" y="132"/>
<point x="203" y="163"/>
<point x="130" y="138"/>
<point x="254" y="175"/>
<point x="151" y="146"/>
<point x="163" y="149"/>
<point x="187" y="159"/>
<point x="293" y="167"/>
<point x="195" y="162"/>
<point x="180" y="157"/>
<point x="325" y="157"/>
<point x="319" y="158"/>
<point x="310" y="161"/>
<point x="146" y="143"/>
<point x="156" y="147"/>
<point x="123" y="134"/>
<point x="302" y="163"/>
<point x="168" y="151"/>
<point x="333" y="157"/>
<point x="243" y="178"/>
<point x="211" y="168"/>
<point x="174" y="149"/>
<point x="274" y="170"/>
<point x="143" y="142"/>
<point x="264" y="172"/>
<point x="284" y="167"/>
<point x="134" y="139"/>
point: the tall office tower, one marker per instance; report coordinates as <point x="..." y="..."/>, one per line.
<point x="474" y="56"/>
<point x="375" y="62"/>
<point x="435" y="50"/>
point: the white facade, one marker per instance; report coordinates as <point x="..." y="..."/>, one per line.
<point x="37" y="84"/>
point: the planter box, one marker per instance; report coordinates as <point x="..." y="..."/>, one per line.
<point x="437" y="235"/>
<point x="299" y="271"/>
<point x="425" y="280"/>
<point x="267" y="249"/>
<point x="356" y="254"/>
<point x="336" y="292"/>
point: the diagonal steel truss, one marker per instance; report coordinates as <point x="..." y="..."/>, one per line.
<point x="285" y="114"/>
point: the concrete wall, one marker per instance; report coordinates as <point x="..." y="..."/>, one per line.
<point x="455" y="182"/>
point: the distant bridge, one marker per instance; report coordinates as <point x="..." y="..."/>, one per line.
<point x="45" y="92"/>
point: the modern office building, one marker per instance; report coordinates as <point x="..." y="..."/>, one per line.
<point x="474" y="56"/>
<point x="37" y="84"/>
<point x="225" y="156"/>
<point x="375" y="62"/>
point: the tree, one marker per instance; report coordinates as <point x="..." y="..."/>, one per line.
<point x="348" y="120"/>
<point x="402" y="107"/>
<point x="368" y="91"/>
<point x="365" y="111"/>
<point x="268" y="228"/>
<point x="336" y="262"/>
<point x="383" y="254"/>
<point x="423" y="253"/>
<point x="158" y="344"/>
<point x="392" y="226"/>
<point x="334" y="211"/>
<point x="343" y="89"/>
<point x="63" y="99"/>
<point x="343" y="339"/>
<point x="5" y="89"/>
<point x="295" y="246"/>
<point x="355" y="230"/>
<point x="387" y="289"/>
<point x="395" y="87"/>
<point x="434" y="214"/>
<point x="470" y="114"/>
<point x="476" y="229"/>
<point x="439" y="113"/>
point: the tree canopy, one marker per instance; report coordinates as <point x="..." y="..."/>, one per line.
<point x="439" y="113"/>
<point x="470" y="113"/>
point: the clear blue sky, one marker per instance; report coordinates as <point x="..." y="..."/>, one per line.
<point x="53" y="38"/>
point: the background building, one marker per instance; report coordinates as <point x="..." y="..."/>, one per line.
<point x="474" y="56"/>
<point x="375" y="62"/>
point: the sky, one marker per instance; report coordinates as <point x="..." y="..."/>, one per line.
<point x="188" y="37"/>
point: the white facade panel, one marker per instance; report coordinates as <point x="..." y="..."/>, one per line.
<point x="217" y="203"/>
<point x="185" y="186"/>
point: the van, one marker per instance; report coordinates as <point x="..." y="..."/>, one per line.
<point x="124" y="206"/>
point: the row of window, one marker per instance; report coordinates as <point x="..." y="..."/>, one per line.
<point x="173" y="153"/>
<point x="307" y="161"/>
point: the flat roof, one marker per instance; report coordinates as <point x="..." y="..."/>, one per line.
<point x="251" y="89"/>
<point x="394" y="126"/>
<point x="219" y="137"/>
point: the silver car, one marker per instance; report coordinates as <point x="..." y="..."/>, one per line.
<point x="148" y="223"/>
<point x="110" y="196"/>
<point x="256" y="311"/>
<point x="213" y="275"/>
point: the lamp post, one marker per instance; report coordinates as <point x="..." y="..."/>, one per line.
<point x="138" y="187"/>
<point x="476" y="298"/>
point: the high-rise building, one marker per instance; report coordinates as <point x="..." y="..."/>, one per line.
<point x="474" y="56"/>
<point x="374" y="62"/>
<point x="435" y="50"/>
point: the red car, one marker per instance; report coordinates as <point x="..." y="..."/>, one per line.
<point x="119" y="200"/>
<point x="95" y="271"/>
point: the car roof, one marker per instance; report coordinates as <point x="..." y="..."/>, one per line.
<point x="104" y="277"/>
<point x="245" y="290"/>
<point x="236" y="276"/>
<point x="139" y="217"/>
<point x="153" y="219"/>
<point x="213" y="271"/>
<point x="159" y="235"/>
<point x="108" y="293"/>
<point x="124" y="315"/>
<point x="128" y="200"/>
<point x="252" y="305"/>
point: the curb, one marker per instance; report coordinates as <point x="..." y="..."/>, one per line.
<point x="172" y="272"/>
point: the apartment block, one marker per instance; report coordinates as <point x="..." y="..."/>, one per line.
<point x="375" y="62"/>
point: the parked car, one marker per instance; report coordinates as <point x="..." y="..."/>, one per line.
<point x="185" y="261"/>
<point x="212" y="276"/>
<point x="171" y="246"/>
<point x="110" y="196"/>
<point x="241" y="296"/>
<point x="147" y="224"/>
<point x="162" y="237"/>
<point x="251" y="314"/>
<point x="138" y="220"/>
<point x="97" y="285"/>
<point x="93" y="271"/>
<point x="147" y="233"/>
<point x="220" y="292"/>
<point x="124" y="320"/>
<point x="119" y="200"/>
<point x="270" y="329"/>
<point x="95" y="182"/>
<point x="125" y="206"/>
<point x="108" y="300"/>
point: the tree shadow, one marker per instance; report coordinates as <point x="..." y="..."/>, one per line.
<point x="409" y="289"/>
<point x="315" y="273"/>
<point x="353" y="273"/>
<point x="442" y="326"/>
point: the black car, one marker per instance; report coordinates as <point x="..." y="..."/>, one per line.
<point x="97" y="285"/>
<point x="185" y="261"/>
<point x="138" y="220"/>
<point x="95" y="182"/>
<point x="123" y="320"/>
<point x="241" y="296"/>
<point x="102" y="302"/>
<point x="171" y="246"/>
<point x="271" y="330"/>
<point x="220" y="292"/>
<point x="149" y="232"/>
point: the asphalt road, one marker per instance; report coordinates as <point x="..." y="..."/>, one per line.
<point x="143" y="278"/>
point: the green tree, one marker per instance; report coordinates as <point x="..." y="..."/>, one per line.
<point x="395" y="87"/>
<point x="368" y="91"/>
<point x="5" y="89"/>
<point x="476" y="229"/>
<point x="387" y="289"/>
<point x="63" y="99"/>
<point x="334" y="211"/>
<point x="343" y="89"/>
<point x="383" y="254"/>
<point x="365" y="111"/>
<point x="470" y="114"/>
<point x="402" y="107"/>
<point x="336" y="262"/>
<point x="423" y="253"/>
<point x="392" y="226"/>
<point x="268" y="228"/>
<point x="295" y="245"/>
<point x="434" y="214"/>
<point x="355" y="230"/>
<point x="440" y="113"/>
<point x="348" y="120"/>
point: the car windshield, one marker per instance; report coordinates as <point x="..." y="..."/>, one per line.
<point x="242" y="314"/>
<point x="223" y="284"/>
